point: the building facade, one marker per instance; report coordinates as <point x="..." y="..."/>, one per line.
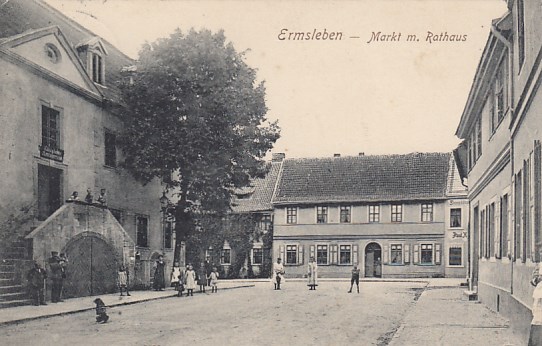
<point x="389" y="214"/>
<point x="501" y="126"/>
<point x="60" y="130"/>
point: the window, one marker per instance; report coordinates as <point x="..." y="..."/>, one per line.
<point x="50" y="128"/>
<point x="503" y="245"/>
<point x="345" y="212"/>
<point x="455" y="256"/>
<point x="168" y="234"/>
<point x="475" y="143"/>
<point x="291" y="215"/>
<point x="427" y="254"/>
<point x="52" y="53"/>
<point x="321" y="214"/>
<point x="265" y="223"/>
<point x="455" y="217"/>
<point x="291" y="254"/>
<point x="396" y="213"/>
<point x="427" y="212"/>
<point x="345" y="254"/>
<point x="142" y="227"/>
<point x="97" y="68"/>
<point x="396" y="253"/>
<point x="110" y="149"/>
<point x="499" y="101"/>
<point x="521" y="32"/>
<point x="257" y="256"/>
<point x="118" y="214"/>
<point x="321" y="254"/>
<point x="225" y="256"/>
<point x="374" y="213"/>
<point x="491" y="230"/>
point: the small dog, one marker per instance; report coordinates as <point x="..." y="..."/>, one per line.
<point x="101" y="315"/>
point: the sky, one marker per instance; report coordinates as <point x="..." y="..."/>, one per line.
<point x="394" y="95"/>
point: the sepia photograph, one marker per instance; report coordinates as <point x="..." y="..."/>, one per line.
<point x="270" y="172"/>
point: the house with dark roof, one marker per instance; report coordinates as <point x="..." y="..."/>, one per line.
<point x="393" y="215"/>
<point x="59" y="105"/>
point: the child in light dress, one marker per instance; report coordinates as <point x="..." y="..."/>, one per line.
<point x="213" y="279"/>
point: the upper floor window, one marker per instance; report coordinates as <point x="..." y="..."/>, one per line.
<point x="97" y="68"/>
<point x="265" y="222"/>
<point x="257" y="256"/>
<point x="499" y="95"/>
<point x="521" y="31"/>
<point x="475" y="143"/>
<point x="50" y="127"/>
<point x="291" y="215"/>
<point x="345" y="214"/>
<point x="225" y="256"/>
<point x="168" y="234"/>
<point x="396" y="213"/>
<point x="455" y="217"/>
<point x="321" y="214"/>
<point x="427" y="212"/>
<point x="110" y="146"/>
<point x="374" y="213"/>
<point x="142" y="229"/>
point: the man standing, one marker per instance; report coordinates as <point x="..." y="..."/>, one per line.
<point x="55" y="268"/>
<point x="312" y="274"/>
<point x="36" y="280"/>
<point x="278" y="273"/>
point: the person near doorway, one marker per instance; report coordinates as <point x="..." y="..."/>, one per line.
<point x="55" y="268"/>
<point x="177" y="279"/>
<point x="355" y="278"/>
<point x="202" y="278"/>
<point x="312" y="274"/>
<point x="190" y="280"/>
<point x="535" y="336"/>
<point x="123" y="281"/>
<point x="377" y="271"/>
<point x="36" y="282"/>
<point x="159" y="281"/>
<point x="278" y="273"/>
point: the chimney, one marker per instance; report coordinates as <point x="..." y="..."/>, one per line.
<point x="278" y="157"/>
<point x="336" y="155"/>
<point x="361" y="154"/>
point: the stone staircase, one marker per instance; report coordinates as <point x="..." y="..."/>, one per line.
<point x="13" y="266"/>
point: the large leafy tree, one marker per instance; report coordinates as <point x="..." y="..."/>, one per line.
<point x="196" y="117"/>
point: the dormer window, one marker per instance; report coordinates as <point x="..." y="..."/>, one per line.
<point x="92" y="53"/>
<point x="97" y="72"/>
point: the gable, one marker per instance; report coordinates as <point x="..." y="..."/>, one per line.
<point x="49" y="50"/>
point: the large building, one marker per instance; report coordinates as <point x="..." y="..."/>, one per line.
<point x="59" y="106"/>
<point x="501" y="127"/>
<point x="394" y="215"/>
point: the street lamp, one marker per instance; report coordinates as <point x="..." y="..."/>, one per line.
<point x="164" y="202"/>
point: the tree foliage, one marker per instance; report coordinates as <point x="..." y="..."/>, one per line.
<point x="193" y="106"/>
<point x="195" y="109"/>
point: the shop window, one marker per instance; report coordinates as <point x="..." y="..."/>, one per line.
<point x="396" y="254"/>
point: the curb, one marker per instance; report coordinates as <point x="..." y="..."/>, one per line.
<point x="65" y="313"/>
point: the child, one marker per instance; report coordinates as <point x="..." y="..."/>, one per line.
<point x="123" y="281"/>
<point x="202" y="278"/>
<point x="36" y="279"/>
<point x="190" y="279"/>
<point x="101" y="315"/>
<point x="355" y="278"/>
<point x="176" y="279"/>
<point x="213" y="280"/>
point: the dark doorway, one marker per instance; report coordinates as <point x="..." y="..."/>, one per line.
<point x="49" y="191"/>
<point x="373" y="263"/>
<point x="92" y="268"/>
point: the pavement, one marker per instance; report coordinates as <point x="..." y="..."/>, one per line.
<point x="26" y="313"/>
<point x="438" y="314"/>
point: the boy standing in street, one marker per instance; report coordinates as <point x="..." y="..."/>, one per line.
<point x="36" y="279"/>
<point x="355" y="278"/>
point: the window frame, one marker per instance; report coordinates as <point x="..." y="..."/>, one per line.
<point x="146" y="235"/>
<point x="401" y="250"/>
<point x="397" y="216"/>
<point x="108" y="150"/>
<point x="460" y="218"/>
<point x="293" y="248"/>
<point x="322" y="214"/>
<point x="350" y="259"/>
<point x="265" y="222"/>
<point x="327" y="252"/>
<point x="291" y="215"/>
<point x="448" y="257"/>
<point x="260" y="249"/>
<point x="432" y="248"/>
<point x="223" y="252"/>
<point x="342" y="209"/>
<point x="427" y="209"/>
<point x="47" y="137"/>
<point x="374" y="213"/>
<point x="97" y="68"/>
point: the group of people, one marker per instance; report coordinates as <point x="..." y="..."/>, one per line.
<point x="37" y="277"/>
<point x="187" y="279"/>
<point x="312" y="275"/>
<point x="89" y="198"/>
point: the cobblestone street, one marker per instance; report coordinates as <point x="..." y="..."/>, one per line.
<point x="262" y="316"/>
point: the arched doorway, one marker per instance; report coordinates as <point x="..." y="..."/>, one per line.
<point x="92" y="267"/>
<point x="373" y="263"/>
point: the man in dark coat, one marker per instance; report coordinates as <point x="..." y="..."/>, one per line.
<point x="55" y="270"/>
<point x="159" y="282"/>
<point x="36" y="282"/>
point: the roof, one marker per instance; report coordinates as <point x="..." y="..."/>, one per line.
<point x="415" y="176"/>
<point x="257" y="197"/>
<point x="19" y="16"/>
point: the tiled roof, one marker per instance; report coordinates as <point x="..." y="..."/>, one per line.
<point x="416" y="176"/>
<point x="258" y="196"/>
<point x="19" y="16"/>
